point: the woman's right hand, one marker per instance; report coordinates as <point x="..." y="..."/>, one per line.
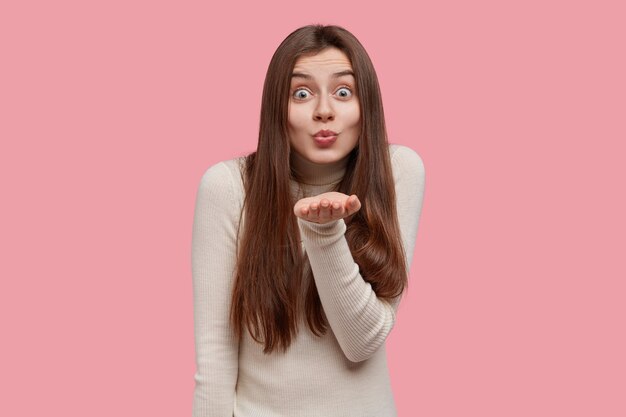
<point x="327" y="207"/>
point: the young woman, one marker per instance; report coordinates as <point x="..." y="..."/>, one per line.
<point x="301" y="250"/>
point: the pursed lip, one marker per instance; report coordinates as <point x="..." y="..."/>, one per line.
<point x="325" y="133"/>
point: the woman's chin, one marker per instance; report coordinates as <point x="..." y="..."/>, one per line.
<point x="325" y="156"/>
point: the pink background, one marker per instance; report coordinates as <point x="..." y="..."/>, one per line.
<point x="110" y="112"/>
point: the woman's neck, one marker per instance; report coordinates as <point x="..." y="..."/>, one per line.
<point x="307" y="172"/>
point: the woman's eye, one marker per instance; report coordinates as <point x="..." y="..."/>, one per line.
<point x="344" y="92"/>
<point x="301" y="94"/>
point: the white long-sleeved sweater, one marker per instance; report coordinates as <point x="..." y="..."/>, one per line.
<point x="343" y="373"/>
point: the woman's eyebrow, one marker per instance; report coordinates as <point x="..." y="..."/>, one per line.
<point x="335" y="75"/>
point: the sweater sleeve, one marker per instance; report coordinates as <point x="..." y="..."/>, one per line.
<point x="213" y="256"/>
<point x="359" y="319"/>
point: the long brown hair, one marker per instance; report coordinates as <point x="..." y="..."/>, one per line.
<point x="270" y="268"/>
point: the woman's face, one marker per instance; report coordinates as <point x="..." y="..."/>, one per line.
<point x="323" y="97"/>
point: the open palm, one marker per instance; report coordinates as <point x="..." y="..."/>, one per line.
<point x="327" y="207"/>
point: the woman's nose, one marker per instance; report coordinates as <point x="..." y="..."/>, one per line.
<point x="323" y="111"/>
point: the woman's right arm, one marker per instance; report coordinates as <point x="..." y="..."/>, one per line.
<point x="213" y="256"/>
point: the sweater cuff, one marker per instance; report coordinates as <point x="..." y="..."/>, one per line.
<point x="321" y="233"/>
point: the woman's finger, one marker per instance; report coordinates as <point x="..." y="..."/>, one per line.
<point x="325" y="210"/>
<point x="338" y="210"/>
<point x="313" y="211"/>
<point x="352" y="204"/>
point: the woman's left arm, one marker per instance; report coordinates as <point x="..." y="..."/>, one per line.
<point x="359" y="319"/>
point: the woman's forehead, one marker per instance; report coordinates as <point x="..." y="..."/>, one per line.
<point x="327" y="60"/>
